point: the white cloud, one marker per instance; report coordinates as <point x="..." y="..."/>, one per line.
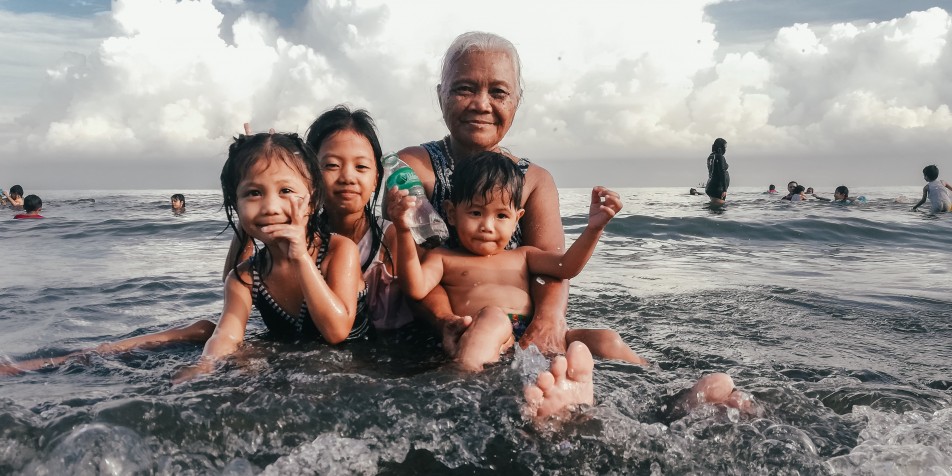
<point x="170" y="80"/>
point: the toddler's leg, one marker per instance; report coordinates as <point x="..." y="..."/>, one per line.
<point x="568" y="382"/>
<point x="489" y="335"/>
<point x="605" y="344"/>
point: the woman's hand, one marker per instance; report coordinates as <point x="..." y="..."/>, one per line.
<point x="453" y="329"/>
<point x="547" y="332"/>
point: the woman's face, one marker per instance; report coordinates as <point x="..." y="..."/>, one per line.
<point x="480" y="99"/>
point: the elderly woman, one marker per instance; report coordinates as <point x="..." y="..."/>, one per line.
<point x="480" y="89"/>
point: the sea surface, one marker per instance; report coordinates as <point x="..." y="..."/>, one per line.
<point x="837" y="319"/>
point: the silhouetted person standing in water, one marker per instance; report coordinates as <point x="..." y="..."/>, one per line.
<point x="717" y="177"/>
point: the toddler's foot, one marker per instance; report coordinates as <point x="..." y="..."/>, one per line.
<point x="568" y="382"/>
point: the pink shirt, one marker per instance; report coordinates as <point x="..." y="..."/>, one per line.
<point x="388" y="308"/>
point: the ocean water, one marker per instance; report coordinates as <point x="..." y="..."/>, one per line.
<point x="838" y="319"/>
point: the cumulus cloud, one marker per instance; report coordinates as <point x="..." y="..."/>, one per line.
<point x="645" y="84"/>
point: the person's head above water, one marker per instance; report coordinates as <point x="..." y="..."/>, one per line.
<point x="809" y="190"/>
<point x="791" y="185"/>
<point x="841" y="193"/>
<point x="719" y="146"/>
<point x="799" y="189"/>
<point x="930" y="173"/>
<point x="178" y="201"/>
<point x="480" y="89"/>
<point x="16" y="191"/>
<point x="32" y="203"/>
<point x="772" y="187"/>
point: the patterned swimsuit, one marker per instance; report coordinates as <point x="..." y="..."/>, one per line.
<point x="442" y="186"/>
<point x="300" y="327"/>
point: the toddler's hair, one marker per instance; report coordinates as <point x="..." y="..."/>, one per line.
<point x="246" y="151"/>
<point x="32" y="203"/>
<point x="482" y="174"/>
<point x="341" y="118"/>
<point x="842" y="189"/>
<point x="799" y="189"/>
<point x="16" y="191"/>
<point x="179" y="197"/>
<point x="931" y="173"/>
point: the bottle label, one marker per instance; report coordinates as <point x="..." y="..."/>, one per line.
<point x="403" y="178"/>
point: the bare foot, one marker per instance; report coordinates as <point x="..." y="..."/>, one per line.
<point x="568" y="382"/>
<point x="718" y="388"/>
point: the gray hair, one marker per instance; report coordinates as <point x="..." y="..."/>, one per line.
<point x="481" y="41"/>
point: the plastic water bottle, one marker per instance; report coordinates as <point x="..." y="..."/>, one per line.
<point x="427" y="228"/>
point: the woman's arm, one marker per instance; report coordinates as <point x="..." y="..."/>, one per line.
<point x="542" y="228"/>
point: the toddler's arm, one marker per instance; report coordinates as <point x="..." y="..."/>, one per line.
<point x="416" y="279"/>
<point x="604" y="206"/>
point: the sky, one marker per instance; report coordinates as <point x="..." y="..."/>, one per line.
<point x="146" y="94"/>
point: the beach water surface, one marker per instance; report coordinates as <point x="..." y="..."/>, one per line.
<point x="838" y="319"/>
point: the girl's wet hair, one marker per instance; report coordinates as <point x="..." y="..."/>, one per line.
<point x="799" y="189"/>
<point x="246" y="151"/>
<point x="842" y="190"/>
<point x="341" y="118"/>
<point x="931" y="172"/>
<point x="484" y="173"/>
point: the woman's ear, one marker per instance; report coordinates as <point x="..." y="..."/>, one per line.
<point x="450" y="212"/>
<point x="439" y="96"/>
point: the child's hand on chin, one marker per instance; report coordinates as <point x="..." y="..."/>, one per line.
<point x="291" y="238"/>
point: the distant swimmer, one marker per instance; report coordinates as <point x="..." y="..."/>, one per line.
<point x="772" y="189"/>
<point x="791" y="185"/>
<point x="718" y="179"/>
<point x="32" y="205"/>
<point x="178" y="203"/>
<point x="937" y="191"/>
<point x="798" y="193"/>
<point x="16" y="196"/>
<point x="694" y="191"/>
<point x="841" y="195"/>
